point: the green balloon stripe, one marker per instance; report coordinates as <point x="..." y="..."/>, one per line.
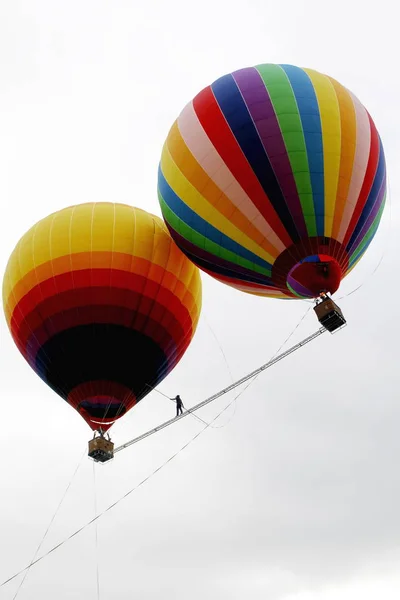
<point x="204" y="243"/>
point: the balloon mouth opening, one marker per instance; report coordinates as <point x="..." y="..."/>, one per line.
<point x="314" y="275"/>
<point x="96" y="425"/>
<point x="101" y="402"/>
<point x="97" y="421"/>
<point x="103" y="425"/>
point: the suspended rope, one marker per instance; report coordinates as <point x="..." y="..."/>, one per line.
<point x="250" y="378"/>
<point x="33" y="561"/>
<point x="229" y="370"/>
<point x="224" y="391"/>
<point x="96" y="538"/>
<point x="219" y="346"/>
<point x="154" y="389"/>
<point x="173" y="400"/>
<point x="233" y="383"/>
<point x="291" y="334"/>
<point x="142" y="482"/>
<point x="384" y="251"/>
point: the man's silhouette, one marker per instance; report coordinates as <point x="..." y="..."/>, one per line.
<point x="179" y="405"/>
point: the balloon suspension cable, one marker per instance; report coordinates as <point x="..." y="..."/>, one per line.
<point x="34" y="559"/>
<point x="126" y="495"/>
<point x="250" y="378"/>
<point x="384" y="251"/>
<point x="96" y="534"/>
<point x="222" y="392"/>
<point x="154" y="389"/>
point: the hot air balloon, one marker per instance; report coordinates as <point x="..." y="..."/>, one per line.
<point x="273" y="181"/>
<point x="102" y="304"/>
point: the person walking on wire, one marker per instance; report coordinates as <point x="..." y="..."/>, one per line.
<point x="179" y="405"/>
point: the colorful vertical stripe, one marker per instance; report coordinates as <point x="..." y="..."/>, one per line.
<point x="270" y="168"/>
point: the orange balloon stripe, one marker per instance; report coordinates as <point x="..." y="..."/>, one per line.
<point x="198" y="178"/>
<point x="102" y="304"/>
<point x="347" y="152"/>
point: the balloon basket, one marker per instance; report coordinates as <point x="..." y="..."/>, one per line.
<point x="329" y="314"/>
<point x="100" y="449"/>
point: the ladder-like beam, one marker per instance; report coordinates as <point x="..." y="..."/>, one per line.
<point x="231" y="387"/>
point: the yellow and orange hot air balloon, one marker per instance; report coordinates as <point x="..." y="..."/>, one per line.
<point x="102" y="304"/>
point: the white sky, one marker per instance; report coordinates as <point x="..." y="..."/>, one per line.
<point x="297" y="497"/>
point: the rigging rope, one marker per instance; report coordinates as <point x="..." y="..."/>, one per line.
<point x="173" y="400"/>
<point x="111" y="506"/>
<point x="224" y="391"/>
<point x="384" y="251"/>
<point x="219" y="346"/>
<point x="96" y="537"/>
<point x="233" y="383"/>
<point x="154" y="389"/>
<point x="250" y="378"/>
<point x="48" y="527"/>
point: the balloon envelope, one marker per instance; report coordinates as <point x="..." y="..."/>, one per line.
<point x="102" y="304"/>
<point x="273" y="180"/>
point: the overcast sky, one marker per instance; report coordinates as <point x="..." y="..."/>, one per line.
<point x="297" y="497"/>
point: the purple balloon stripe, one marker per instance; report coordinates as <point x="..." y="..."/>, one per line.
<point x="103" y="399"/>
<point x="262" y="112"/>
<point x="298" y="288"/>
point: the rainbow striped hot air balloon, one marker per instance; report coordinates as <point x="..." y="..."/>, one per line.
<point x="102" y="305"/>
<point x="273" y="180"/>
